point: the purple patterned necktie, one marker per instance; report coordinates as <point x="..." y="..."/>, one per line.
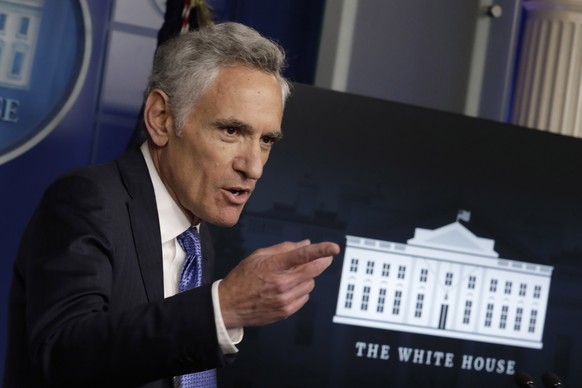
<point x="192" y="277"/>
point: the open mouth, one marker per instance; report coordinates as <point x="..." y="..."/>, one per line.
<point x="236" y="192"/>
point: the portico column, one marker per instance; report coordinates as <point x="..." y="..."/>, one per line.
<point x="548" y="94"/>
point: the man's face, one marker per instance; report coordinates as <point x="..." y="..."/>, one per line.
<point x="213" y="167"/>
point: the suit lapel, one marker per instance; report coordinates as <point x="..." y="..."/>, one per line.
<point x="144" y="221"/>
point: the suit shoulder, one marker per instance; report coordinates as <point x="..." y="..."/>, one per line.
<point x="110" y="176"/>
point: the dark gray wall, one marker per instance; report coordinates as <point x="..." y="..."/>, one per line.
<point x="447" y="55"/>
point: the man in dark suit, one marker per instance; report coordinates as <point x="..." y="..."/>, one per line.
<point x="94" y="299"/>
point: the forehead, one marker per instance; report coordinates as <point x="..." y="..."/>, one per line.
<point x="243" y="92"/>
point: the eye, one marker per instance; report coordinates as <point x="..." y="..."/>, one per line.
<point x="268" y="140"/>
<point x="230" y="130"/>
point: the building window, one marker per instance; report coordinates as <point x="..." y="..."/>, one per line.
<point x="423" y="275"/>
<point x="503" y="320"/>
<point x="532" y="321"/>
<point x="381" y="300"/>
<point x="467" y="312"/>
<point x="370" y="268"/>
<point x="397" y="301"/>
<point x="419" y="303"/>
<point x="449" y="279"/>
<point x="493" y="285"/>
<point x="489" y="315"/>
<point x="522" y="289"/>
<point x="17" y="66"/>
<point x="365" y="298"/>
<point x="537" y="292"/>
<point x="518" y="317"/>
<point x="508" y="286"/>
<point x="354" y="265"/>
<point x="386" y="270"/>
<point x="401" y="272"/>
<point x="349" y="296"/>
<point x="2" y="22"/>
<point x="472" y="281"/>
<point x="24" y="26"/>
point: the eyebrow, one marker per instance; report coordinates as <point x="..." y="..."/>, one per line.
<point x="275" y="136"/>
<point x="242" y="126"/>
<point x="232" y="123"/>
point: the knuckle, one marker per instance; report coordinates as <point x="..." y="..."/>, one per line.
<point x="304" y="254"/>
<point x="280" y="287"/>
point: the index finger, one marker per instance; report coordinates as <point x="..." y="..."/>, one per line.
<point x="305" y="254"/>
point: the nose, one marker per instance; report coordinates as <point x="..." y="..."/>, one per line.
<point x="250" y="162"/>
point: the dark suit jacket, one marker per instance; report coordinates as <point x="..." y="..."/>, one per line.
<point x="86" y="305"/>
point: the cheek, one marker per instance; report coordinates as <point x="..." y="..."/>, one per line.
<point x="218" y="162"/>
<point x="205" y="168"/>
<point x="204" y="181"/>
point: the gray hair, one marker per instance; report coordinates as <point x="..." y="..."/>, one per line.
<point x="185" y="66"/>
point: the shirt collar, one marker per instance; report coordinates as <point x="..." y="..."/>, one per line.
<point x="173" y="221"/>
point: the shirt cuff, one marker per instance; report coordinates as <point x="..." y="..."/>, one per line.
<point x="227" y="339"/>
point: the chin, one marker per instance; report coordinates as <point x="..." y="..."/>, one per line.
<point x="224" y="220"/>
<point x="225" y="224"/>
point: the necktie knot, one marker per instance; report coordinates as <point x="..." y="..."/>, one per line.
<point x="190" y="240"/>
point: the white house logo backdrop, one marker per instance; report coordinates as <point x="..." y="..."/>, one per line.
<point x="45" y="48"/>
<point x="445" y="282"/>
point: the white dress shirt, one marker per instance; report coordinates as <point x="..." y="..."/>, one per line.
<point x="173" y="222"/>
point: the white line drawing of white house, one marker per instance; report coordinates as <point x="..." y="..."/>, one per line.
<point x="19" y="28"/>
<point x="445" y="282"/>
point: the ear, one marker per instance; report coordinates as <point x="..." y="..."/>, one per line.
<point x="158" y="117"/>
